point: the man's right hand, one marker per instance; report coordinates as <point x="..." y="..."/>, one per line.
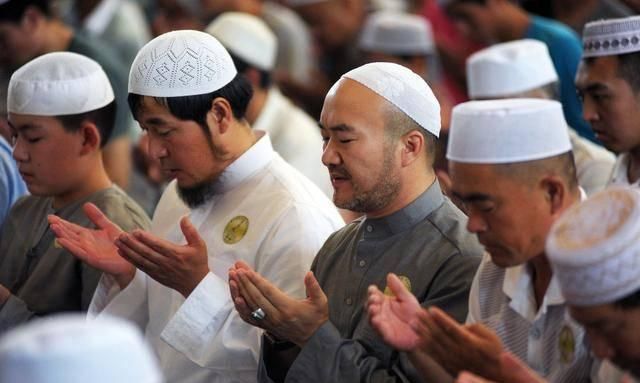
<point x="94" y="247"/>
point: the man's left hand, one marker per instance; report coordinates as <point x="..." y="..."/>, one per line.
<point x="285" y="317"/>
<point x="180" y="267"/>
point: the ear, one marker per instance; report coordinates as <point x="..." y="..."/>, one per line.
<point x="91" y="139"/>
<point x="31" y="19"/>
<point x="556" y="193"/>
<point x="412" y="147"/>
<point x="219" y="117"/>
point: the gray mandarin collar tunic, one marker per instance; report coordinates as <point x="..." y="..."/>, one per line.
<point x="427" y="244"/>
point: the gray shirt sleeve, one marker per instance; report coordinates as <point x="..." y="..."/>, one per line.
<point x="13" y="312"/>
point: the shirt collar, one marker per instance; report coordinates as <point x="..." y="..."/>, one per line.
<point x="269" y="112"/>
<point x="256" y="158"/>
<point x="99" y="19"/>
<point x="518" y="286"/>
<point x="620" y="175"/>
<point x="407" y="217"/>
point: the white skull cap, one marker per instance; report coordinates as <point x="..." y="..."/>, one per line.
<point x="594" y="248"/>
<point x="58" y="84"/>
<point x="507" y="131"/>
<point x="611" y="37"/>
<point x="181" y="63"/>
<point x="247" y="37"/>
<point x="507" y="69"/>
<point x="397" y="33"/>
<point x="403" y="88"/>
<point x="67" y="348"/>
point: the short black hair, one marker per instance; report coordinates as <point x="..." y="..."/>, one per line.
<point x="104" y="119"/>
<point x="195" y="108"/>
<point x="562" y="165"/>
<point x="13" y="10"/>
<point x="242" y="66"/>
<point x="631" y="301"/>
<point x="629" y="69"/>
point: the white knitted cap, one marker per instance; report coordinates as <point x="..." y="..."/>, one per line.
<point x="69" y="349"/>
<point x="397" y="33"/>
<point x="594" y="248"/>
<point x="611" y="37"/>
<point x="57" y="84"/>
<point x="247" y="37"/>
<point x="506" y="69"/>
<point x="402" y="88"/>
<point x="181" y="63"/>
<point x="507" y="131"/>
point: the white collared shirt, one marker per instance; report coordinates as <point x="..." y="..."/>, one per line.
<point x="296" y="137"/>
<point x="548" y="339"/>
<point x="202" y="339"/>
<point x="620" y="175"/>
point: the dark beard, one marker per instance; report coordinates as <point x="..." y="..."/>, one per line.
<point x="197" y="195"/>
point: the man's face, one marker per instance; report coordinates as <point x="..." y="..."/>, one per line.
<point x="17" y="45"/>
<point x="507" y="214"/>
<point x="332" y="24"/>
<point x="49" y="157"/>
<point x="362" y="164"/>
<point x="614" y="333"/>
<point x="418" y="64"/>
<point x="475" y="21"/>
<point x="609" y="104"/>
<point x="183" y="149"/>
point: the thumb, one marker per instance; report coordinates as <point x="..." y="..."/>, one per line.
<point x="190" y="232"/>
<point x="518" y="371"/>
<point x="314" y="291"/>
<point x="99" y="219"/>
<point x="398" y="288"/>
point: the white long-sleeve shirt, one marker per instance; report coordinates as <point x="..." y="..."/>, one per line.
<point x="202" y="338"/>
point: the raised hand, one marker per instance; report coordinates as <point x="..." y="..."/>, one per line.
<point x="94" y="247"/>
<point x="391" y="316"/>
<point x="180" y="267"/>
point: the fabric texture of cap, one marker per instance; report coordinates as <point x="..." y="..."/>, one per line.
<point x="69" y="349"/>
<point x="58" y="84"/>
<point x="611" y="37"/>
<point x="507" y="131"/>
<point x="507" y="69"/>
<point x="594" y="248"/>
<point x="397" y="33"/>
<point x="181" y="63"/>
<point x="247" y="37"/>
<point x="402" y="88"/>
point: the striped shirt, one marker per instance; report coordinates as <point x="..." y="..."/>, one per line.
<point x="548" y="339"/>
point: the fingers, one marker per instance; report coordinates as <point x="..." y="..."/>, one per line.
<point x="190" y="232"/>
<point x="149" y="241"/>
<point x="74" y="249"/>
<point x="268" y="291"/>
<point x="138" y="253"/>
<point x="254" y="296"/>
<point x="242" y="265"/>
<point x="448" y="326"/>
<point x="517" y="370"/>
<point x="467" y="377"/>
<point x="98" y="218"/>
<point x="398" y="288"/>
<point x="314" y="291"/>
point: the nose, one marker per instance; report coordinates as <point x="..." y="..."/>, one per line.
<point x="20" y="153"/>
<point x="589" y="110"/>
<point x="156" y="147"/>
<point x="475" y="224"/>
<point x="330" y="156"/>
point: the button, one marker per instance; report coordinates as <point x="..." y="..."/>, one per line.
<point x="348" y="301"/>
<point x="536" y="333"/>
<point x="369" y="228"/>
<point x="362" y="263"/>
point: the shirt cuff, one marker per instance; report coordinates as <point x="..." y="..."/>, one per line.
<point x="108" y="290"/>
<point x="314" y="353"/>
<point x="199" y="317"/>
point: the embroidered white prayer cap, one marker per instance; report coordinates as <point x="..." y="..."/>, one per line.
<point x="396" y="33"/>
<point x="594" y="248"/>
<point x="69" y="349"/>
<point x="506" y="69"/>
<point x="58" y="84"/>
<point x="507" y="131"/>
<point x="247" y="37"/>
<point x="401" y="87"/>
<point x="611" y="37"/>
<point x="181" y="63"/>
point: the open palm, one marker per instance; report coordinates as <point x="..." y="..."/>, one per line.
<point x="94" y="247"/>
<point x="392" y="316"/>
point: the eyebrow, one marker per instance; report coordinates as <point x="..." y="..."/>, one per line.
<point x="338" y="128"/>
<point x="155" y="121"/>
<point x="594" y="87"/>
<point x="23" y="128"/>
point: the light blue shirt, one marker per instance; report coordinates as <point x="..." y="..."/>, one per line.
<point x="11" y="184"/>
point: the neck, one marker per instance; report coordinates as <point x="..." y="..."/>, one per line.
<point x="515" y="23"/>
<point x="57" y="37"/>
<point x="256" y="105"/>
<point x="409" y="192"/>
<point x="633" y="171"/>
<point x="92" y="181"/>
<point x="541" y="275"/>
